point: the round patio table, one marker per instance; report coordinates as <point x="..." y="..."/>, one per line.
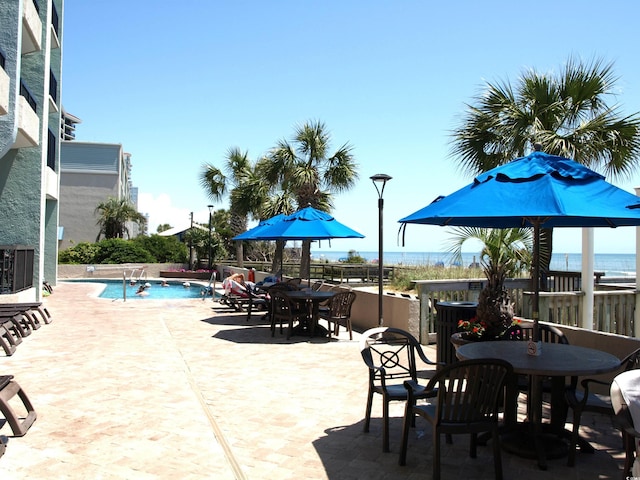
<point x="556" y="361"/>
<point x="312" y="298"/>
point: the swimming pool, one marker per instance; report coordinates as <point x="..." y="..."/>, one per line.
<point x="174" y="290"/>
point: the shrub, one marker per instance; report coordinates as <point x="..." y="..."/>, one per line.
<point x="164" y="249"/>
<point x="354" y="257"/>
<point x="82" y="253"/>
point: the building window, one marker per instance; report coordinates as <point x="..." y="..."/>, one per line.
<point x="24" y="91"/>
<point x="53" y="87"/>
<point x="55" y="21"/>
<point x="51" y="151"/>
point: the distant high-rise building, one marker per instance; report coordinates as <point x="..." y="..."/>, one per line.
<point x="90" y="174"/>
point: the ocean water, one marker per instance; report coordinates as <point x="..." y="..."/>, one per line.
<point x="613" y="264"/>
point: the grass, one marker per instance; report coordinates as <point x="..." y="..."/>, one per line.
<point x="404" y="277"/>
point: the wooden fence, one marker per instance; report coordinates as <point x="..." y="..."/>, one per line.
<point x="614" y="308"/>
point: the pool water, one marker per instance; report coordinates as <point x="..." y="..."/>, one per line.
<point x="175" y="290"/>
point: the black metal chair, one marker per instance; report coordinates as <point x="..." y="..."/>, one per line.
<point x="339" y="312"/>
<point x="584" y="400"/>
<point x="256" y="300"/>
<point x="284" y="310"/>
<point x="390" y="356"/>
<point x="467" y="400"/>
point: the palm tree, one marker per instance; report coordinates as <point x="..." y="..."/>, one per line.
<point x="278" y="202"/>
<point x="245" y="187"/>
<point x="305" y="168"/>
<point x="567" y="114"/>
<point x="113" y="215"/>
<point x="505" y="253"/>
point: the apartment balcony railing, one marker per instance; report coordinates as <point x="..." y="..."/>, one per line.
<point x="31" y="27"/>
<point x="16" y="268"/>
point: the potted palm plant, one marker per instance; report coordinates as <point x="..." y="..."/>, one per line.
<point x="505" y="253"/>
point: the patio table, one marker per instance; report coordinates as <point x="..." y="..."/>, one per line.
<point x="556" y="361"/>
<point x="312" y="299"/>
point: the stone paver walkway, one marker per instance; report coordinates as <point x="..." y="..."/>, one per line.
<point x="188" y="389"/>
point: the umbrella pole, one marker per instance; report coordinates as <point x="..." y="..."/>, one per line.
<point x="535" y="277"/>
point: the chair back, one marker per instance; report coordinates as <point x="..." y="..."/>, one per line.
<point x="390" y="354"/>
<point x="631" y="361"/>
<point x="468" y="391"/>
<point x="340" y="304"/>
<point x="280" y="304"/>
<point x="315" y="286"/>
<point x="548" y="333"/>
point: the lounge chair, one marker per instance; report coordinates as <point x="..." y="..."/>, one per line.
<point x="31" y="307"/>
<point x="238" y="296"/>
<point x="9" y="388"/>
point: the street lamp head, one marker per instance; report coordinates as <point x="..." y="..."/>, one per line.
<point x="210" y="207"/>
<point x="380" y="178"/>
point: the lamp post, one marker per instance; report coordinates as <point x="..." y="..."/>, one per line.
<point x="191" y="262"/>
<point x="210" y="207"/>
<point x="382" y="179"/>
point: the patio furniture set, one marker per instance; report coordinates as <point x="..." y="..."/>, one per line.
<point x="18" y="320"/>
<point x="478" y="394"/>
<point x="300" y="306"/>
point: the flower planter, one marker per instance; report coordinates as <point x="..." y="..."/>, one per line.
<point x="460" y="338"/>
<point x="191" y="275"/>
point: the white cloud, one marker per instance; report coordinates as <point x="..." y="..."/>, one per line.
<point x="161" y="210"/>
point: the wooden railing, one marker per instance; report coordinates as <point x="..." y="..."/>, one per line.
<point x="613" y="310"/>
<point x="331" y="272"/>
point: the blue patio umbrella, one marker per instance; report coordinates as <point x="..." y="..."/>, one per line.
<point x="252" y="232"/>
<point x="306" y="224"/>
<point x="539" y="191"/>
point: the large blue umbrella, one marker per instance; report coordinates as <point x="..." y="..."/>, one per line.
<point x="539" y="191"/>
<point x="306" y="224"/>
<point x="253" y="232"/>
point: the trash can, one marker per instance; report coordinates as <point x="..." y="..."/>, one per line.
<point x="449" y="313"/>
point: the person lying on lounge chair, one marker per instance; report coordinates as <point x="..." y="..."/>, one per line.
<point x="235" y="285"/>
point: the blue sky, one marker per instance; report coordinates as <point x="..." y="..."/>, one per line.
<point x="179" y="83"/>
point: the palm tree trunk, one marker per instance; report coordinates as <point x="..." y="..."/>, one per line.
<point x="277" y="257"/>
<point x="305" y="260"/>
<point x="239" y="253"/>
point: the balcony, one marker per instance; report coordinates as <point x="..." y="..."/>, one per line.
<point x="28" y="125"/>
<point x="31" y="28"/>
<point x="55" y="27"/>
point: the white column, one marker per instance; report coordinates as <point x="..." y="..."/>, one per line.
<point x="587" y="278"/>
<point x="636" y="328"/>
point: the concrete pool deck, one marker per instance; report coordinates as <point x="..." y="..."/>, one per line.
<point x="188" y="389"/>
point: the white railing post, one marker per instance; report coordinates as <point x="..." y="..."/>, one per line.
<point x="587" y="279"/>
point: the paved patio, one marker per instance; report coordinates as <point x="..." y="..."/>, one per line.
<point x="189" y="390"/>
